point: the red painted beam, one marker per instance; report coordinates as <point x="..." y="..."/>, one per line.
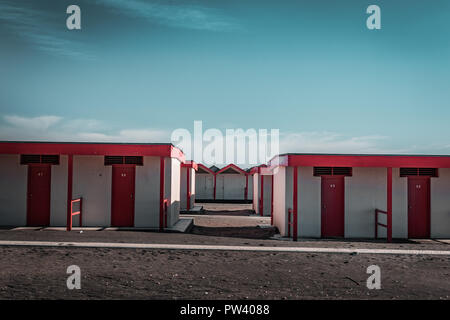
<point x="295" y="203"/>
<point x="161" y="193"/>
<point x="261" y="200"/>
<point x="271" y="204"/>
<point x="69" y="191"/>
<point x="101" y="149"/>
<point x="190" y="164"/>
<point x="389" y="204"/>
<point x="188" y="189"/>
<point x="336" y="160"/>
<point x="233" y="166"/>
<point x="205" y="168"/>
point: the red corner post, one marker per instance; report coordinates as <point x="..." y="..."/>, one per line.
<point x="69" y="191"/>
<point x="188" y="189"/>
<point x="389" y="204"/>
<point x="161" y="193"/>
<point x="295" y="204"/>
<point x="271" y="203"/>
<point x="261" y="200"/>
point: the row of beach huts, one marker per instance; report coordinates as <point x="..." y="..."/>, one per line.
<point x="147" y="185"/>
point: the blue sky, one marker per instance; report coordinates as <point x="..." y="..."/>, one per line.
<point x="139" y="69"/>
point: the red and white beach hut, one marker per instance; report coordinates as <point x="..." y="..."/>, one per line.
<point x="361" y="196"/>
<point x="205" y="180"/>
<point x="118" y="184"/>
<point x="262" y="190"/>
<point x="187" y="185"/>
<point x="232" y="184"/>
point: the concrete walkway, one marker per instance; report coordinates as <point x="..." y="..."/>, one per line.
<point x="162" y="246"/>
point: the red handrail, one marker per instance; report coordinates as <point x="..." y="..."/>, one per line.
<point x="79" y="212"/>
<point x="292" y="223"/>
<point x="377" y="211"/>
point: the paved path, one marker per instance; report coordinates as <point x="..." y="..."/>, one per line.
<point x="164" y="246"/>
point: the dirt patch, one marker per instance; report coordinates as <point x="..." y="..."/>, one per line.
<point x="229" y="213"/>
<point x="40" y="273"/>
<point x="229" y="221"/>
<point x="237" y="232"/>
<point x="227" y="207"/>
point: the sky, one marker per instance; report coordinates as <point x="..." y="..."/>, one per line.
<point x="139" y="69"/>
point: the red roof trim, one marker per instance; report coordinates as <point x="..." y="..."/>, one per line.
<point x="101" y="149"/>
<point x="190" y="164"/>
<point x="233" y="166"/>
<point x="394" y="161"/>
<point x="206" y="168"/>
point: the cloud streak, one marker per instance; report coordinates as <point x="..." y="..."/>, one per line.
<point x="173" y="15"/>
<point x="331" y="142"/>
<point x="54" y="128"/>
<point x="34" y="26"/>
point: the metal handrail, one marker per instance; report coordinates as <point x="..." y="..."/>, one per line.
<point x="79" y="212"/>
<point x="377" y="211"/>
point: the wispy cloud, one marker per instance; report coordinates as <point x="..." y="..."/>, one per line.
<point x="174" y="15"/>
<point x="40" y="123"/>
<point x="331" y="142"/>
<point x="35" y="27"/>
<point x="54" y="128"/>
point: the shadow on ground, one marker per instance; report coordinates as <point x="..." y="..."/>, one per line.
<point x="236" y="232"/>
<point x="229" y="212"/>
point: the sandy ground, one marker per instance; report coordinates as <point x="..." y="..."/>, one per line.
<point x="40" y="273"/>
<point x="226" y="207"/>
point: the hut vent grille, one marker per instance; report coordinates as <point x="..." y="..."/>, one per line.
<point x="333" y="171"/>
<point x="424" y="172"/>
<point x="38" y="158"/>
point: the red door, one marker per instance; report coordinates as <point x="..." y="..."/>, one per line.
<point x="122" y="202"/>
<point x="418" y="207"/>
<point x="332" y="224"/>
<point x="38" y="195"/>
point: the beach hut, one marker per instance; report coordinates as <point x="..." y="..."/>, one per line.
<point x="262" y="190"/>
<point x="204" y="183"/>
<point x="231" y="184"/>
<point x="187" y="185"/>
<point x="361" y="196"/>
<point x="112" y="184"/>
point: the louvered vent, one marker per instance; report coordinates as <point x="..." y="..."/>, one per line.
<point x="424" y="172"/>
<point x="342" y="171"/>
<point x="323" y="171"/>
<point x="134" y="160"/>
<point x="52" y="159"/>
<point x="332" y="171"/>
<point x="428" y="172"/>
<point x="110" y="160"/>
<point x="37" y="158"/>
<point x="30" y="158"/>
